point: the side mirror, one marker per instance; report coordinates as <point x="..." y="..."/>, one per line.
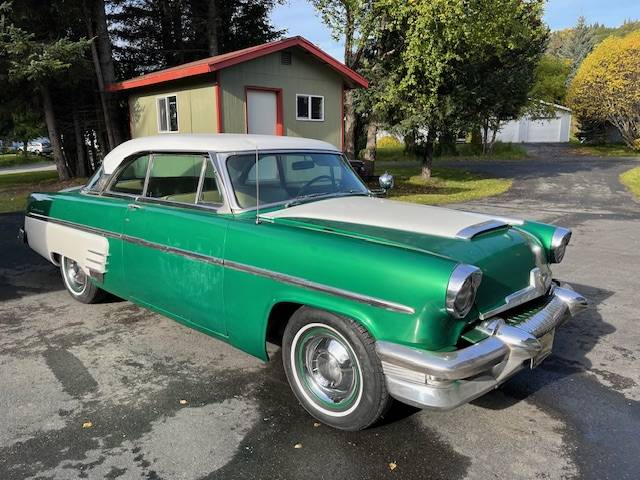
<point x="386" y="181"/>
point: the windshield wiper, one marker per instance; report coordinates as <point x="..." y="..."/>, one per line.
<point x="303" y="198"/>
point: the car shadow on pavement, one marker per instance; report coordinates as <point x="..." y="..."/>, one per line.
<point x="288" y="443"/>
<point x="573" y="341"/>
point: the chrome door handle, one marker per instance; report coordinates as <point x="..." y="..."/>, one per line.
<point x="134" y="206"/>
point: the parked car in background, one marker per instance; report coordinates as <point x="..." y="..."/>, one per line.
<point x="39" y="146"/>
<point x="255" y="239"/>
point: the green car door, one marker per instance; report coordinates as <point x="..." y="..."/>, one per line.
<point x="174" y="240"/>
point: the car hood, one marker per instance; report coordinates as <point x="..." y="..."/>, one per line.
<point x="504" y="254"/>
<point x="380" y="212"/>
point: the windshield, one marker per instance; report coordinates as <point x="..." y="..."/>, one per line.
<point x="291" y="177"/>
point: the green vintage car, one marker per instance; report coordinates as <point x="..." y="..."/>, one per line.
<point x="255" y="239"/>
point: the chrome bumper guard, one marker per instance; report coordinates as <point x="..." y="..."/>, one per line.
<point x="445" y="380"/>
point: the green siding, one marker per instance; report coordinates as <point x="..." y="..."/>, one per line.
<point x="196" y="110"/>
<point x="305" y="76"/>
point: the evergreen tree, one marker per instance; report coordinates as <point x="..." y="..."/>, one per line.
<point x="154" y="34"/>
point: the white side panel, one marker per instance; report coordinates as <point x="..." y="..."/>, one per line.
<point x="48" y="238"/>
<point x="261" y="112"/>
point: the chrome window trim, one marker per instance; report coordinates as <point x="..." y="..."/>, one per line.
<point x="210" y="156"/>
<point x="281" y="277"/>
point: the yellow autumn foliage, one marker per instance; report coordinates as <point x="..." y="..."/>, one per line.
<point x="607" y="86"/>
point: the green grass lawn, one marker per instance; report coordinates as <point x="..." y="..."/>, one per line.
<point x="465" y="151"/>
<point x="16" y="187"/>
<point x="631" y="180"/>
<point x="447" y="185"/>
<point x="13" y="159"/>
<point x="604" y="150"/>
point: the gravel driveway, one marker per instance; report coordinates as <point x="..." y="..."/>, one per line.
<point x="158" y="400"/>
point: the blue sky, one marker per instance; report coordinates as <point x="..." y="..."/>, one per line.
<point x="299" y="18"/>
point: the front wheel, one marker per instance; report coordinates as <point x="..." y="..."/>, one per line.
<point x="333" y="369"/>
<point x="78" y="284"/>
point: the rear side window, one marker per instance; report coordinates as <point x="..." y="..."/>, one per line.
<point x="131" y="179"/>
<point x="175" y="177"/>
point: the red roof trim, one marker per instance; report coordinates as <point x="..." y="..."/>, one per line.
<point x="219" y="62"/>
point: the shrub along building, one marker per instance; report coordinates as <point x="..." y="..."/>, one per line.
<point x="286" y="87"/>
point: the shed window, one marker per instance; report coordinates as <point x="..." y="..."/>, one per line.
<point x="310" y="107"/>
<point x="168" y="114"/>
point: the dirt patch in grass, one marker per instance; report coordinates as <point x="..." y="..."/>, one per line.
<point x="16" y="187"/>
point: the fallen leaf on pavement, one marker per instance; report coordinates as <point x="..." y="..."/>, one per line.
<point x="87" y="424"/>
<point x="183" y="402"/>
<point x="297" y="445"/>
<point x="392" y="466"/>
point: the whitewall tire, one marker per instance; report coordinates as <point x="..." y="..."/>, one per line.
<point x="333" y="369"/>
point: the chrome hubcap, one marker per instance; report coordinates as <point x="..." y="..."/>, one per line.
<point x="76" y="278"/>
<point x="328" y="367"/>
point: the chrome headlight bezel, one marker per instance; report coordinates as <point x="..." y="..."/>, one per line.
<point x="465" y="280"/>
<point x="559" y="241"/>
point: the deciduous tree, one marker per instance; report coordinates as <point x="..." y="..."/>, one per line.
<point x="463" y="63"/>
<point x="607" y="86"/>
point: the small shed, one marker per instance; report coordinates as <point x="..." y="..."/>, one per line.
<point x="287" y="87"/>
<point x="553" y="129"/>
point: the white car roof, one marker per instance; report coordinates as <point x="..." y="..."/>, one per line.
<point x="221" y="142"/>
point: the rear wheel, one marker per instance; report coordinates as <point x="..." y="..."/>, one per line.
<point x="78" y="284"/>
<point x="333" y="369"/>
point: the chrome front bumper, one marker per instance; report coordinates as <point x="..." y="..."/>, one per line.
<point x="445" y="380"/>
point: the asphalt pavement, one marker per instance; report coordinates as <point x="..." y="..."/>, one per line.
<point x="115" y="391"/>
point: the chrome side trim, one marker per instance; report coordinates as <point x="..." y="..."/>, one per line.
<point x="281" y="277"/>
<point x="84" y="228"/>
<point x="319" y="287"/>
<point x="471" y="231"/>
<point x="539" y="284"/>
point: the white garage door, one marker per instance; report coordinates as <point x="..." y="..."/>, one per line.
<point x="262" y="112"/>
<point x="547" y="130"/>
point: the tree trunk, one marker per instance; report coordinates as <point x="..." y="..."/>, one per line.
<point x="105" y="54"/>
<point x="349" y="125"/>
<point x="427" y="156"/>
<point x="97" y="65"/>
<point x="25" y="143"/>
<point x="372" y="136"/>
<point x="213" y="23"/>
<point x="81" y="162"/>
<point x="52" y="128"/>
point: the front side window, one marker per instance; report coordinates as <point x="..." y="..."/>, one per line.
<point x="289" y="176"/>
<point x="175" y="177"/>
<point x="310" y="107"/>
<point x="168" y="114"/>
<point x="131" y="179"/>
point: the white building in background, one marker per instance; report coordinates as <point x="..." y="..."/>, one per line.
<point x="540" y="130"/>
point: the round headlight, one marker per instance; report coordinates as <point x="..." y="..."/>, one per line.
<point x="462" y="288"/>
<point x="559" y="242"/>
